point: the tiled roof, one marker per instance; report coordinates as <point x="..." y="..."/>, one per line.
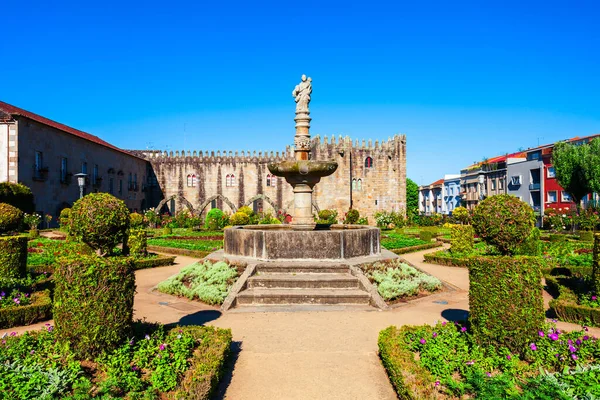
<point x="12" y="110"/>
<point x="438" y="182"/>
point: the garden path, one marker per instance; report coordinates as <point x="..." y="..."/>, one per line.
<point x="315" y="354"/>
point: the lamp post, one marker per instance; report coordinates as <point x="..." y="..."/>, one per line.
<point x="81" y="182"/>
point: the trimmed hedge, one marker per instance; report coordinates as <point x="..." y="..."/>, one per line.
<point x="40" y="309"/>
<point x="505" y="301"/>
<point x="137" y="242"/>
<point x="461" y="239"/>
<point x="532" y="245"/>
<point x="565" y="305"/>
<point x="159" y="261"/>
<point x="441" y="258"/>
<point x="64" y="218"/>
<point x="557" y="238"/>
<point x="596" y="265"/>
<point x="207" y="364"/>
<point x="411" y="249"/>
<point x="17" y="195"/>
<point x="93" y="302"/>
<point x="586" y="236"/>
<point x="13" y="256"/>
<point x="11" y="218"/>
<point x="426" y="235"/>
<point x="411" y="381"/>
<point x="180" y="252"/>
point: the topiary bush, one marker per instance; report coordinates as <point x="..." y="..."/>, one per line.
<point x="505" y="301"/>
<point x="213" y="219"/>
<point x="461" y="239"/>
<point x="586" y="236"/>
<point x="532" y="245"/>
<point x="137" y="242"/>
<point x="426" y="235"/>
<point x="557" y="238"/>
<point x="596" y="265"/>
<point x="239" y="218"/>
<point x="352" y="216"/>
<point x="11" y="218"/>
<point x="17" y="195"/>
<point x="327" y="217"/>
<point x="503" y="221"/>
<point x="136" y="221"/>
<point x="13" y="256"/>
<point x="64" y="219"/>
<point x="93" y="303"/>
<point x="100" y="220"/>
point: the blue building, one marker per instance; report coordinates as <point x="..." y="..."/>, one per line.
<point x="450" y="193"/>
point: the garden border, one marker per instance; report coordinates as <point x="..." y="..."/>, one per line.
<point x="39" y="310"/>
<point x="565" y="305"/>
<point x="180" y="252"/>
<point x="419" y="247"/>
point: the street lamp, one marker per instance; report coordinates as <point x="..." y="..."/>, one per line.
<point x="81" y="182"/>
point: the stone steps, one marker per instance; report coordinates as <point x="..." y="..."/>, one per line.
<point x="303" y="281"/>
<point x="294" y="268"/>
<point x="254" y="296"/>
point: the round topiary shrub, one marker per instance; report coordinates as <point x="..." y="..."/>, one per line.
<point x="64" y="219"/>
<point x="239" y="218"/>
<point x="13" y="256"/>
<point x="327" y="217"/>
<point x="93" y="303"/>
<point x="426" y="235"/>
<point x="11" y="218"/>
<point x="503" y="221"/>
<point x="100" y="220"/>
<point x="352" y="216"/>
<point x="136" y="221"/>
<point x="213" y="219"/>
<point x="246" y="210"/>
<point x="532" y="245"/>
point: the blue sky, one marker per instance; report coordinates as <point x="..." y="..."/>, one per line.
<point x="463" y="80"/>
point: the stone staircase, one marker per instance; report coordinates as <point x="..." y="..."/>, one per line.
<point x="319" y="283"/>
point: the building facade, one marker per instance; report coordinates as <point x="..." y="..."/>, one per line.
<point x="431" y="200"/>
<point x="45" y="155"/>
<point x="451" y="193"/>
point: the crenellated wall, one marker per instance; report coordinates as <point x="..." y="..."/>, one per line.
<point x="382" y="186"/>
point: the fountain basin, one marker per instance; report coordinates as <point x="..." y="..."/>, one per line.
<point x="303" y="170"/>
<point x="285" y="242"/>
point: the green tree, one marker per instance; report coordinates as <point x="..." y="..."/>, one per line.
<point x="593" y="166"/>
<point x="412" y="194"/>
<point x="573" y="171"/>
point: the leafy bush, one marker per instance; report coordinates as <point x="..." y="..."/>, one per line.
<point x="17" y="195"/>
<point x="64" y="219"/>
<point x="215" y="219"/>
<point x="461" y="239"/>
<point x="461" y="214"/>
<point x="363" y="221"/>
<point x="93" y="303"/>
<point x="38" y="308"/>
<point x="596" y="265"/>
<point x="13" y="256"/>
<point x="205" y="281"/>
<point x="586" y="236"/>
<point x="385" y="219"/>
<point x="239" y="218"/>
<point x="246" y="210"/>
<point x="136" y="221"/>
<point x="532" y="245"/>
<point x="152" y="217"/>
<point x="352" y="216"/>
<point x="557" y="238"/>
<point x="503" y="221"/>
<point x="495" y="317"/>
<point x="32" y="220"/>
<point x="11" y="218"/>
<point x="394" y="280"/>
<point x="100" y="220"/>
<point x="137" y="242"/>
<point x="426" y="236"/>
<point x="327" y="217"/>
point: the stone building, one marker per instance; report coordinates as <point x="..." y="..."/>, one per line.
<point x="45" y="155"/>
<point x="370" y="178"/>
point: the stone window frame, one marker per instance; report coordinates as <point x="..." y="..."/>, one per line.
<point x="191" y="180"/>
<point x="271" y="180"/>
<point x="230" y="180"/>
<point x="369" y="162"/>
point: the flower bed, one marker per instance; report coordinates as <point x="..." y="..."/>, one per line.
<point x="37" y="308"/>
<point x="185" y="362"/>
<point x="207" y="281"/>
<point x="425" y="362"/>
<point x="397" y="281"/>
<point x="573" y="302"/>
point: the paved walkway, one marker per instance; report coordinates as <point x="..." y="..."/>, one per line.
<point x="309" y="354"/>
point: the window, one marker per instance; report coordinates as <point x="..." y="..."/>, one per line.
<point x="230" y="180"/>
<point x="493" y="184"/>
<point x="111" y="185"/>
<point x="130" y="181"/>
<point x="501" y="184"/>
<point x="516" y="180"/>
<point x="369" y="162"/>
<point x="551" y="197"/>
<point x="190" y="180"/>
<point x="271" y="180"/>
<point x="536" y="155"/>
<point x="194" y="180"/>
<point x="84" y="167"/>
<point x="359" y="185"/>
<point x="565" y="197"/>
<point x="63" y="170"/>
<point x="39" y="164"/>
<point x="120" y="186"/>
<point x="95" y="175"/>
<point x="551" y="172"/>
<point x="354" y="185"/>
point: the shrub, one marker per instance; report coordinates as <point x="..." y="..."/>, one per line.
<point x="64" y="219"/>
<point x="246" y="210"/>
<point x="13" y="256"/>
<point x="426" y="235"/>
<point x="93" y="303"/>
<point x="352" y="216"/>
<point x="402" y="280"/>
<point x="384" y="219"/>
<point x="137" y="242"/>
<point x="136" y="221"/>
<point x="11" y="218"/>
<point x="17" y="195"/>
<point x="327" y="217"/>
<point x="183" y="219"/>
<point x="213" y="219"/>
<point x="40" y="309"/>
<point x="532" y="245"/>
<point x="586" y="236"/>
<point x="461" y="239"/>
<point x="205" y="281"/>
<point x="596" y="265"/>
<point x="239" y="218"/>
<point x="461" y="214"/>
<point x="152" y="217"/>
<point x="503" y="221"/>
<point x="363" y="221"/>
<point x="505" y="300"/>
<point x="32" y="220"/>
<point x="100" y="220"/>
<point x="167" y="230"/>
<point x="557" y="238"/>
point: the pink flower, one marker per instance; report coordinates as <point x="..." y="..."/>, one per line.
<point x="162" y="346"/>
<point x="437" y="383"/>
<point x="533" y="347"/>
<point x="434" y="334"/>
<point x="541" y="334"/>
<point x="422" y="341"/>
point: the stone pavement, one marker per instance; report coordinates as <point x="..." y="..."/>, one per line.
<point x="316" y="353"/>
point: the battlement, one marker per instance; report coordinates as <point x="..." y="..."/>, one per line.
<point x="347" y="142"/>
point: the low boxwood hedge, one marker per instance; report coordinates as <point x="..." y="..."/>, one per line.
<point x="40" y="309"/>
<point x="180" y="252"/>
<point x="444" y="258"/>
<point x="419" y="247"/>
<point x="565" y="304"/>
<point x="13" y="256"/>
<point x="158" y="261"/>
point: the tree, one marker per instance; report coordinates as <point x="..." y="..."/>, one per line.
<point x="573" y="168"/>
<point x="593" y="166"/>
<point x="412" y="195"/>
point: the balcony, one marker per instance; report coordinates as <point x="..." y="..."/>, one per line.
<point x="40" y="173"/>
<point x="534" y="186"/>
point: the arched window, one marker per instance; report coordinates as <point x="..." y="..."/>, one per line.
<point x="353" y="184"/>
<point x="194" y="180"/>
<point x="228" y="180"/>
<point x="359" y="185"/>
<point x="189" y="180"/>
<point x="271" y="180"/>
<point x="268" y="179"/>
<point x="232" y="180"/>
<point x="369" y="162"/>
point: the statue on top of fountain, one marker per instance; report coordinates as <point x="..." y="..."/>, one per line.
<point x="302" y="93"/>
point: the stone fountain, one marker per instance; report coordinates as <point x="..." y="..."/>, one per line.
<point x="300" y="240"/>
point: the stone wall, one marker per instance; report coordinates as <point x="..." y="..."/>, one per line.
<point x="382" y="184"/>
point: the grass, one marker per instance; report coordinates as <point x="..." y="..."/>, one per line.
<point x="394" y="240"/>
<point x="200" y="245"/>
